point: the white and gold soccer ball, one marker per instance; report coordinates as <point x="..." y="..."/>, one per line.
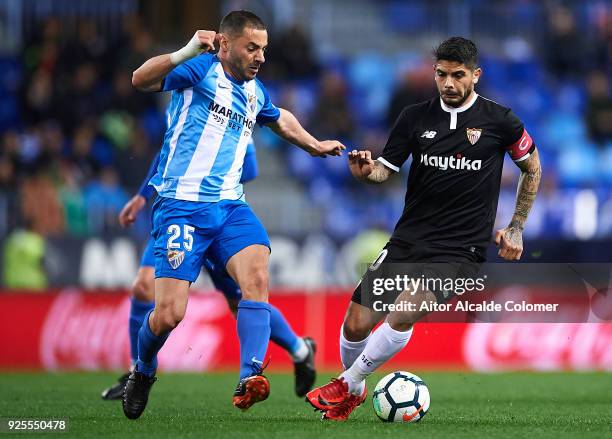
<point x="401" y="397"/>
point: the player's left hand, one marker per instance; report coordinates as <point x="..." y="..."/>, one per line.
<point x="510" y="243"/>
<point x="127" y="216"/>
<point x="329" y="147"/>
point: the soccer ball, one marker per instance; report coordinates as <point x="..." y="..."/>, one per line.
<point x="401" y="397"/>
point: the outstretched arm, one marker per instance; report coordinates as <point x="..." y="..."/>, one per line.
<point x="289" y="128"/>
<point x="510" y="239"/>
<point x="367" y="170"/>
<point x="149" y="76"/>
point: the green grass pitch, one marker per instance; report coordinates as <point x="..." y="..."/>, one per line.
<point x="464" y="405"/>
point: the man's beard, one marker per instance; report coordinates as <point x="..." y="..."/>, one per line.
<point x="457" y="104"/>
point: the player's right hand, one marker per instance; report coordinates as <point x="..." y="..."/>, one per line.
<point x="329" y="147"/>
<point x="127" y="216"/>
<point x="205" y="40"/>
<point x="360" y="163"/>
<point x="202" y="41"/>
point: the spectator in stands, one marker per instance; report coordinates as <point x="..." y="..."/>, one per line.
<point x="296" y="54"/>
<point x="42" y="49"/>
<point x="332" y="114"/>
<point x="7" y="173"/>
<point x="81" y="155"/>
<point x="599" y="108"/>
<point x="414" y="86"/>
<point x="83" y="100"/>
<point x="10" y="153"/>
<point x="87" y="47"/>
<point x="40" y="206"/>
<point x="38" y="100"/>
<point x="602" y="44"/>
<point x="290" y="56"/>
<point x="124" y="97"/>
<point x="104" y="198"/>
<point x="129" y="163"/>
<point x="565" y="49"/>
<point x="23" y="255"/>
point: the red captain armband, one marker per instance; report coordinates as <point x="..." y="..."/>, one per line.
<point x="522" y="148"/>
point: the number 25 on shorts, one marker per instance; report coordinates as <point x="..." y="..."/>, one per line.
<point x="174" y="230"/>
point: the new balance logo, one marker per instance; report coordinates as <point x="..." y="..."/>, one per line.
<point x="429" y="134"/>
<point x="444" y="163"/>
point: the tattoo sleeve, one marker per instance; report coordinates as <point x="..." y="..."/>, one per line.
<point x="531" y="173"/>
<point x="379" y="174"/>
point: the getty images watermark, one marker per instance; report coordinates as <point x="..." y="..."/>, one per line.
<point x="456" y="286"/>
<point x="568" y="293"/>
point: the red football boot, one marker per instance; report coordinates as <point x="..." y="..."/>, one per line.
<point x="250" y="390"/>
<point x="342" y="411"/>
<point x="329" y="395"/>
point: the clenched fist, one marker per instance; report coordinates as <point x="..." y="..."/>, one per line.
<point x="202" y="41"/>
<point x="510" y="243"/>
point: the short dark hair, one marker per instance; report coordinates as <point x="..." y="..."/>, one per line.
<point x="236" y="21"/>
<point x="458" y="49"/>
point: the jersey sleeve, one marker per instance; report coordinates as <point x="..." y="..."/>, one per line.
<point x="397" y="150"/>
<point x="268" y="112"/>
<point x="188" y="73"/>
<point x="249" y="168"/>
<point x="515" y="137"/>
<point x="146" y="190"/>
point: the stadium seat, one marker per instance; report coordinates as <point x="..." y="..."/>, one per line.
<point x="577" y="163"/>
<point x="563" y="127"/>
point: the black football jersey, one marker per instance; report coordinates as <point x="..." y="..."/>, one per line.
<point x="454" y="180"/>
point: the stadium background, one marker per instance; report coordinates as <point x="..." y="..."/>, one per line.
<point x="76" y="140"/>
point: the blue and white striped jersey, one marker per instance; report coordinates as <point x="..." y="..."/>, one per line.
<point x="211" y="121"/>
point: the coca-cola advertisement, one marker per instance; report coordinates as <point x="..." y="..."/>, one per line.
<point x="84" y="330"/>
<point x="538" y="346"/>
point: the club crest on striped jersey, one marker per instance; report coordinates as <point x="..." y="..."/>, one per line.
<point x="252" y="102"/>
<point x="473" y="134"/>
<point x="175" y="258"/>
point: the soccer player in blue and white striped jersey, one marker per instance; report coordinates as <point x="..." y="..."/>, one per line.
<point x="142" y="294"/>
<point x="216" y="101"/>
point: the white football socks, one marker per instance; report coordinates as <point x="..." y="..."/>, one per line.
<point x="350" y="350"/>
<point x="300" y="352"/>
<point x="383" y="344"/>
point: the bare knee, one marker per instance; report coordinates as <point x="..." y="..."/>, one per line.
<point x="358" y="323"/>
<point x="401" y="321"/>
<point x="355" y="331"/>
<point x="249" y="267"/>
<point x="255" y="286"/>
<point x="143" y="288"/>
<point x="404" y="320"/>
<point x="165" y="319"/>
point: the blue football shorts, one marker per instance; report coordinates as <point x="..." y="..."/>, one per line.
<point x="187" y="233"/>
<point x="148" y="255"/>
<point x="220" y="277"/>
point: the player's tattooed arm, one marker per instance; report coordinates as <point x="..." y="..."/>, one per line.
<point x="367" y="170"/>
<point x="529" y="181"/>
<point x="510" y="239"/>
<point x="289" y="128"/>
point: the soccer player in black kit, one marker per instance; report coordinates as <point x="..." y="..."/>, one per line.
<point x="457" y="142"/>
